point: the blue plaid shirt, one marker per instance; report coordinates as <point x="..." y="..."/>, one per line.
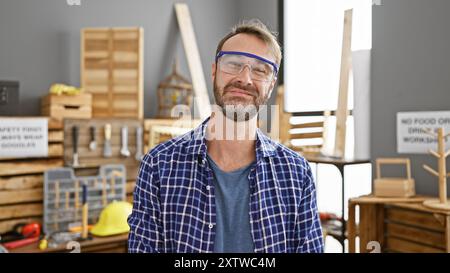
<point x="174" y="202"/>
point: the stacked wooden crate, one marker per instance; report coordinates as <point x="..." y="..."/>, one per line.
<point x="89" y="160"/>
<point x="67" y="106"/>
<point x="21" y="181"/>
<point x="112" y="71"/>
<point x="399" y="226"/>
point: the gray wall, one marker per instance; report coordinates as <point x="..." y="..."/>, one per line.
<point x="40" y="40"/>
<point x="410" y="72"/>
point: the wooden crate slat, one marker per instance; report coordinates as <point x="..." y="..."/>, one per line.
<point x="20" y="196"/>
<point x="55" y="136"/>
<point x="125" y="56"/>
<point x="29" y="167"/>
<point x="129" y="198"/>
<point x="130" y="186"/>
<point x="420" y="236"/>
<point x="83" y="141"/>
<point x="399" y="245"/>
<point x="8" y="225"/>
<point x="414" y="218"/>
<point x="84" y="153"/>
<point x="113" y="56"/>
<point x="21" y="182"/>
<point x="93" y="171"/>
<point x="76" y="100"/>
<point x="17" y="211"/>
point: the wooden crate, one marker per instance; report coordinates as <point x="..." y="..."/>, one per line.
<point x="109" y="244"/>
<point x="65" y="106"/>
<point x="401" y="227"/>
<point x="149" y="123"/>
<point x="90" y="161"/>
<point x="21" y="181"/>
<point x="112" y="71"/>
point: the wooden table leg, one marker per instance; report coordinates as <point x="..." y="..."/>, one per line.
<point x="351" y="227"/>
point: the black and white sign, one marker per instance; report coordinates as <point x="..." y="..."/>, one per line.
<point x="410" y="127"/>
<point x="23" y="137"/>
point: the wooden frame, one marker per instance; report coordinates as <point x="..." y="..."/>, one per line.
<point x="112" y="71"/>
<point x="193" y="58"/>
<point x="342" y="108"/>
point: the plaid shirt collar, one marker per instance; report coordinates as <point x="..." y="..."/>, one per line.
<point x="197" y="142"/>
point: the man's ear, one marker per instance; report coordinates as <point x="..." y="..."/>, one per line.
<point x="272" y="84"/>
<point x="213" y="71"/>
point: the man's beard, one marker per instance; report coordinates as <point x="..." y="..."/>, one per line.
<point x="239" y="108"/>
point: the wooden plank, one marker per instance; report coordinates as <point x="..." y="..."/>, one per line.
<point x="371" y="225"/>
<point x="307" y="135"/>
<point x="400" y="245"/>
<point x="106" y="248"/>
<point x="84" y="140"/>
<point x="131" y="171"/>
<point x="346" y="64"/>
<point x="420" y="236"/>
<point x="8" y="225"/>
<point x="380" y="216"/>
<point x="20" y="196"/>
<point x="421" y="207"/>
<point x="86" y="154"/>
<point x="351" y="227"/>
<point x="129" y="198"/>
<point x="114" y="56"/>
<point x="367" y="226"/>
<point x="394" y="201"/>
<point x="16" y="211"/>
<point x="318" y="124"/>
<point x="447" y="233"/>
<point x="21" y="182"/>
<point x="55" y="136"/>
<point x="54" y="150"/>
<point x="130" y="187"/>
<point x="29" y="167"/>
<point x="76" y="100"/>
<point x="414" y="218"/>
<point x="193" y="58"/>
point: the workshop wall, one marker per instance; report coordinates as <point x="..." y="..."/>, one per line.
<point x="410" y="72"/>
<point x="40" y="41"/>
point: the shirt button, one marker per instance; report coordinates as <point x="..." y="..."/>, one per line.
<point x="210" y="226"/>
<point x="208" y="188"/>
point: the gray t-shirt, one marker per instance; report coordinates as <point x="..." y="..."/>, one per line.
<point x="233" y="234"/>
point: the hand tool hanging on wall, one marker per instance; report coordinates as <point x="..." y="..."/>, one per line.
<point x="84" y="221"/>
<point x="138" y="155"/>
<point x="107" y="152"/>
<point x="93" y="143"/>
<point x="75" y="130"/>
<point x="56" y="213"/>
<point x="124" y="150"/>
<point x="77" y="201"/>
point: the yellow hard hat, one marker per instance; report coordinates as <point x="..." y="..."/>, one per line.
<point x="113" y="219"/>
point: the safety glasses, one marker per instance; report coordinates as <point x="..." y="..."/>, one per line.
<point x="234" y="62"/>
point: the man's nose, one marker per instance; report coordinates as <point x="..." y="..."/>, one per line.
<point x="246" y="75"/>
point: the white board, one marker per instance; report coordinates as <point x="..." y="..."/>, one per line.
<point x="410" y="137"/>
<point x="23" y="137"/>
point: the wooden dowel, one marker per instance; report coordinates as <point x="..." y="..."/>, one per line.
<point x="429" y="132"/>
<point x="430" y="170"/>
<point x="434" y="153"/>
<point x="447" y="153"/>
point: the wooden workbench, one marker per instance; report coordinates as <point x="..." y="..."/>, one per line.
<point x="398" y="225"/>
<point x="111" y="244"/>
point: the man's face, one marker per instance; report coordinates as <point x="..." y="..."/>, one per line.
<point x="239" y="95"/>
